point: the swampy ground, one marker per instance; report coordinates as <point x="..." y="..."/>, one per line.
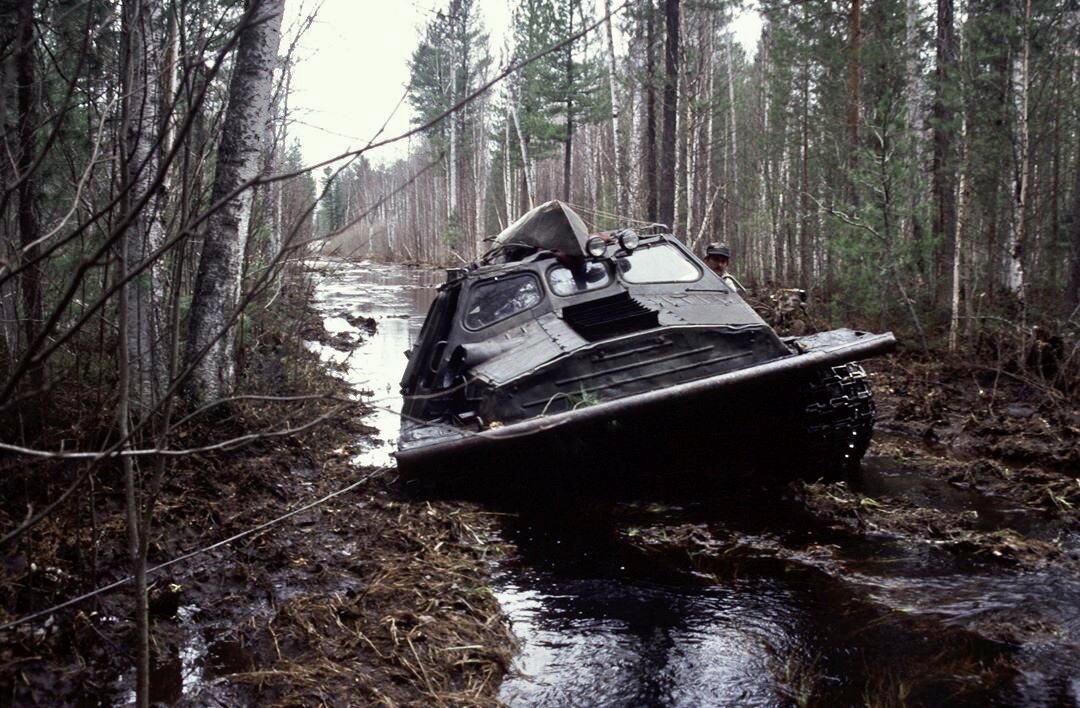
<point x="946" y="571"/>
<point x="369" y="598"/>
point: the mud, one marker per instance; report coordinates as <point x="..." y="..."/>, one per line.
<point x="945" y="571"/>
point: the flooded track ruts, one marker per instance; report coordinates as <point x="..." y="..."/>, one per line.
<point x="900" y="587"/>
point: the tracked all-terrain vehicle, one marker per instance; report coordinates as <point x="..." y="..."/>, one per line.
<point x="557" y="334"/>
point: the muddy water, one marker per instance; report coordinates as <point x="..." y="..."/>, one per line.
<point x="397" y="299"/>
<point x="767" y="604"/>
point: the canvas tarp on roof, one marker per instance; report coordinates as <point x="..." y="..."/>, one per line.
<point x="552" y="226"/>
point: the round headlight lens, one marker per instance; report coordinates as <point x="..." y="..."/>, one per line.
<point x="628" y="239"/>
<point x="596" y="246"/>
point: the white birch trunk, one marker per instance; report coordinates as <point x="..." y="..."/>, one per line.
<point x="483" y="167"/>
<point x="1014" y="275"/>
<point x="620" y="189"/>
<point x="958" y="248"/>
<point x="733" y="139"/>
<point x="144" y="293"/>
<point x="634" y="174"/>
<point x="451" y="195"/>
<point x="217" y="283"/>
<point x="691" y="155"/>
<point x="710" y="126"/>
<point x="527" y="172"/>
<point x="783" y="254"/>
<point x="508" y="176"/>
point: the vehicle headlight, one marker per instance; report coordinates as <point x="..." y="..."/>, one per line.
<point x="596" y="246"/>
<point x="628" y="239"/>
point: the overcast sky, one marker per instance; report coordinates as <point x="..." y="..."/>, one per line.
<point x="352" y="67"/>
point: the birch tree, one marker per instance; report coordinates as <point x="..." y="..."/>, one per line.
<point x="621" y="204"/>
<point x="217" y="283"/>
<point x="1014" y="269"/>
<point x="668" y="140"/>
<point x="141" y="111"/>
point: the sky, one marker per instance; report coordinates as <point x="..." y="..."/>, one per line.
<point x="352" y="67"/>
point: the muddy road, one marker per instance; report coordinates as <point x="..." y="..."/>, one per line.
<point x="947" y="570"/>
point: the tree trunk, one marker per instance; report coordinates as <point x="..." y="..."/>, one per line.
<point x="854" y="80"/>
<point x="134" y="523"/>
<point x="483" y="169"/>
<point x="707" y="152"/>
<point x="958" y="236"/>
<point x="508" y="175"/>
<point x="143" y="358"/>
<point x="141" y="74"/>
<point x="568" y="136"/>
<point x="943" y="168"/>
<point x="621" y="206"/>
<point x="1072" y="292"/>
<point x="29" y="226"/>
<point x="528" y="189"/>
<point x="452" y="179"/>
<point x="668" y="146"/>
<point x="731" y="211"/>
<point x="217" y="284"/>
<point x="805" y="275"/>
<point x="651" y="163"/>
<point x="1015" y="270"/>
<point x="684" y="162"/>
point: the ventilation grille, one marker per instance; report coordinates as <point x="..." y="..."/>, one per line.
<point x="609" y="317"/>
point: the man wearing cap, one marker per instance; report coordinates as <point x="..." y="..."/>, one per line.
<point x="717" y="256"/>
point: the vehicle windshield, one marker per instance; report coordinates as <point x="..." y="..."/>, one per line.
<point x="657" y="263"/>
<point x="563" y="282"/>
<point x="496" y="299"/>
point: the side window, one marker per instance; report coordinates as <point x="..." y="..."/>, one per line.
<point x="496" y="299"/>
<point x="564" y="282"/>
<point x="660" y="263"/>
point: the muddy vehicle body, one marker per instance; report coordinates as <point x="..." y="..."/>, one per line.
<point x="557" y="334"/>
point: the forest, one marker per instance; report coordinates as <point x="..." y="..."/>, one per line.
<point x="911" y="166"/>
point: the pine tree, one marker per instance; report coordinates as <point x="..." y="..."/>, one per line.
<point x="447" y="65"/>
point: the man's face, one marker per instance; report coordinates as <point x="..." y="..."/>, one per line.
<point x="717" y="263"/>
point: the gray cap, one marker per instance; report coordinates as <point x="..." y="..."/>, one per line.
<point x="717" y="249"/>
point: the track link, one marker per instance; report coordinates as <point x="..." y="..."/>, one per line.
<point x="838" y="421"/>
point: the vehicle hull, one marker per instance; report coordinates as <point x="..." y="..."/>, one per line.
<point x="436" y="449"/>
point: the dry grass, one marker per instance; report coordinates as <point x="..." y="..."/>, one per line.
<point x="424" y="630"/>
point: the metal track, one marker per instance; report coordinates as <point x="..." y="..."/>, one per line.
<point x="838" y="416"/>
<point x="447" y="444"/>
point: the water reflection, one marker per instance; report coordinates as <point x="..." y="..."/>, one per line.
<point x="629" y="642"/>
<point x="397" y="298"/>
